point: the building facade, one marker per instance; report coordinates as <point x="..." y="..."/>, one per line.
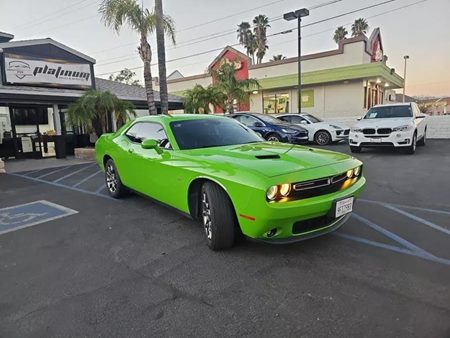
<point x="339" y="83"/>
<point x="38" y="80"/>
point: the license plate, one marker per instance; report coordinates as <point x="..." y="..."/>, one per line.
<point x="375" y="140"/>
<point x="344" y="206"/>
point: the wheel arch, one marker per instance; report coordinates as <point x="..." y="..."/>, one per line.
<point x="193" y="194"/>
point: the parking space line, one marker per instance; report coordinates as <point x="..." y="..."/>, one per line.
<point x="74" y="172"/>
<point x="418" y="219"/>
<point x="86" y="179"/>
<point x="100" y="189"/>
<point x="392" y="236"/>
<point x="66" y="186"/>
<point x="52" y="172"/>
<point x="393" y="248"/>
<point x="33" y="171"/>
<point x="405" y="206"/>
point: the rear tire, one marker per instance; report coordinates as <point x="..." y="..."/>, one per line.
<point x="113" y="183"/>
<point x="355" y="149"/>
<point x="217" y="216"/>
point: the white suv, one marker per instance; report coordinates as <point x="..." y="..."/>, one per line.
<point x="320" y="132"/>
<point x="392" y="125"/>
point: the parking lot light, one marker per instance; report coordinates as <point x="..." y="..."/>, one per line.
<point x="298" y="14"/>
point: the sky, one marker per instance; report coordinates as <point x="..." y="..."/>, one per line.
<point x="418" y="28"/>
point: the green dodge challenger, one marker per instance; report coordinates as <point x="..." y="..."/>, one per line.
<point x="225" y="175"/>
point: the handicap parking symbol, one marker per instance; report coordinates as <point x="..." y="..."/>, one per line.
<point x="29" y="214"/>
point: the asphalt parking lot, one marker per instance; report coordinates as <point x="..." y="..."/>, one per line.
<point x="102" y="267"/>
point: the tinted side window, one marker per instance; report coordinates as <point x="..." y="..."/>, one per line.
<point x="147" y="130"/>
<point x="248" y="120"/>
<point x="297" y="119"/>
<point x="286" y="119"/>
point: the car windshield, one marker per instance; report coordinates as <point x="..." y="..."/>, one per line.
<point x="312" y="118"/>
<point x="211" y="132"/>
<point x="388" y="112"/>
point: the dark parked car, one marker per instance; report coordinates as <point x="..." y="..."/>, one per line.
<point x="271" y="128"/>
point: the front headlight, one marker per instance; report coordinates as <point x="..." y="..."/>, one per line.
<point x="357" y="171"/>
<point x="356" y="130"/>
<point x="405" y="127"/>
<point x="272" y="192"/>
<point x="335" y="127"/>
<point x="289" y="131"/>
<point x="277" y="192"/>
<point x="285" y="189"/>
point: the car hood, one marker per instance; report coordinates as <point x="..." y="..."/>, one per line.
<point x="384" y="123"/>
<point x="329" y="124"/>
<point x="270" y="158"/>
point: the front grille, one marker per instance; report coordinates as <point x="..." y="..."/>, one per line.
<point x="311" y="224"/>
<point x="368" y="131"/>
<point x="318" y="187"/>
<point x="384" y="130"/>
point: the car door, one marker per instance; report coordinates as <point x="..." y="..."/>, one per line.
<point x="304" y="123"/>
<point x="149" y="168"/>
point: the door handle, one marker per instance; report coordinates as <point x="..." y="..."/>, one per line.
<point x="130" y="150"/>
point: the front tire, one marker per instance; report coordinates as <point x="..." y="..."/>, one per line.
<point x="410" y="150"/>
<point x="273" y="138"/>
<point x="423" y="140"/>
<point x="113" y="183"/>
<point x="322" y="138"/>
<point x="218" y="217"/>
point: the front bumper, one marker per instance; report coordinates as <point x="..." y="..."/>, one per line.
<point x="332" y="226"/>
<point x="298" y="139"/>
<point x="341" y="134"/>
<point x="283" y="216"/>
<point x="395" y="139"/>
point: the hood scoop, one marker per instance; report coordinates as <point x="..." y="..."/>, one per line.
<point x="268" y="157"/>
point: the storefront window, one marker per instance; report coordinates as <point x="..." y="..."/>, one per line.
<point x="276" y="103"/>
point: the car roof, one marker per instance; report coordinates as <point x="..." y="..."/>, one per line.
<point x="393" y="104"/>
<point x="178" y="117"/>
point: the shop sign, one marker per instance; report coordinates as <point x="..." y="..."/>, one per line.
<point x="43" y="72"/>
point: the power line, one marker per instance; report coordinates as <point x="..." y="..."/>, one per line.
<point x="274" y="34"/>
<point x="58" y="13"/>
<point x="230" y="16"/>
<point x="213" y="35"/>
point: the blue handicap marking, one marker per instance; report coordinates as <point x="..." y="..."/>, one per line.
<point x="25" y="215"/>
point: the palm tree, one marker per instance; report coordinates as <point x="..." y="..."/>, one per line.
<point x="360" y="27"/>
<point x="247" y="39"/>
<point x="93" y="111"/>
<point x="198" y="99"/>
<point x="232" y="88"/>
<point x="163" y="94"/>
<point x="117" y="13"/>
<point x="340" y="34"/>
<point x="260" y="25"/>
<point x="278" y="57"/>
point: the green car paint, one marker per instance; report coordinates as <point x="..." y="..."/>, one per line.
<point x="244" y="171"/>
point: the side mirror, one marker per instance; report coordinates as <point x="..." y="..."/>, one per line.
<point x="359" y="119"/>
<point x="303" y="122"/>
<point x="151" y="144"/>
<point x="258" y="124"/>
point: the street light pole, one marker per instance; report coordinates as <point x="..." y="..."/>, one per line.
<point x="406" y="57"/>
<point x="299" y="66"/>
<point x="298" y="14"/>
